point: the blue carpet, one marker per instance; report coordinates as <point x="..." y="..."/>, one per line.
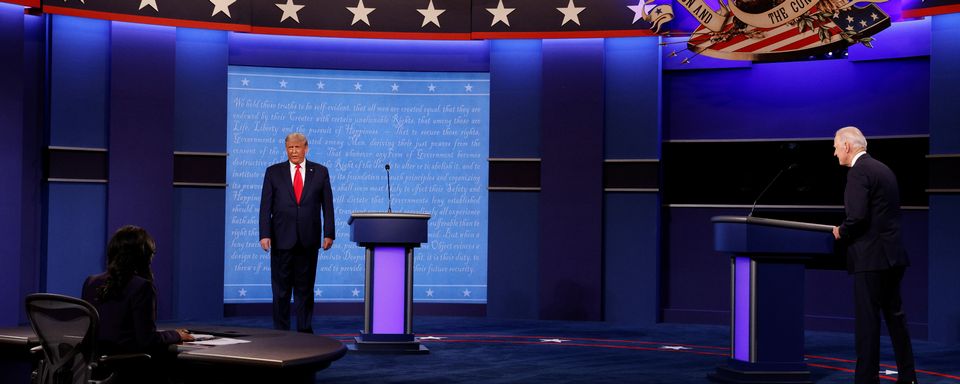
<point x="483" y="350"/>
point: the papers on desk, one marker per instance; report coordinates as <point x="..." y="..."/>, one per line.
<point x="212" y="341"/>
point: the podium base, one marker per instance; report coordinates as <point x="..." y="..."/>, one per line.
<point x="410" y="347"/>
<point x="740" y="372"/>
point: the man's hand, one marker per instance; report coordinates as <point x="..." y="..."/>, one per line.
<point x="327" y="243"/>
<point x="836" y="233"/>
<point x="265" y="244"/>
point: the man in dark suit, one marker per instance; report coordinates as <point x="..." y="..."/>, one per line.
<point x="295" y="194"/>
<point x="875" y="256"/>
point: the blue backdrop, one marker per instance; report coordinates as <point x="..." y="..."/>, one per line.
<point x="432" y="128"/>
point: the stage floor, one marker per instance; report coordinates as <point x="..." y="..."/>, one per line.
<point x="483" y="350"/>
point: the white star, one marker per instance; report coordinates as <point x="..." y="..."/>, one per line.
<point x="152" y="3"/>
<point x="874" y="16"/>
<point x="468" y="88"/>
<point x="356" y="292"/>
<point x="571" y="13"/>
<point x="245" y="82"/>
<point x="394" y="87"/>
<point x="863" y="23"/>
<point x="430" y="338"/>
<point x="320" y="85"/>
<point x="849" y="27"/>
<point x="242" y="292"/>
<point x="558" y="341"/>
<point x="222" y="6"/>
<point x="283" y="83"/>
<point x="358" y="86"/>
<point x="289" y="11"/>
<point x="429" y="292"/>
<point x="318" y="292"/>
<point x="360" y="13"/>
<point x="430" y="15"/>
<point x="849" y="19"/>
<point x="500" y="14"/>
<point x="637" y="10"/>
<point x="674" y="347"/>
<point x="432" y="88"/>
<point x="466" y="293"/>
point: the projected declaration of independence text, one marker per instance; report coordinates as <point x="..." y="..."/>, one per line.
<point x="432" y="128"/>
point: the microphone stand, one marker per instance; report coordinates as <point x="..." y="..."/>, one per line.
<point x="389" y="198"/>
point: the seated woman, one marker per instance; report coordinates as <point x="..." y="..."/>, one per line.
<point x="126" y="298"/>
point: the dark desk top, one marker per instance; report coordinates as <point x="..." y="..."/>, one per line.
<point x="19" y="336"/>
<point x="267" y="348"/>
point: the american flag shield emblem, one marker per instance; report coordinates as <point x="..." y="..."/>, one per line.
<point x="821" y="29"/>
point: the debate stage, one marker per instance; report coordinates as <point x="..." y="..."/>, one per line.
<point x="485" y="350"/>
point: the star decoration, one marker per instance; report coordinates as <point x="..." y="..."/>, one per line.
<point x="245" y="82"/>
<point x="357" y="86"/>
<point x="468" y="88"/>
<point x="222" y="6"/>
<point x="360" y="13"/>
<point x="874" y="16"/>
<point x="558" y="341"/>
<point x="318" y="292"/>
<point x="849" y="19"/>
<point x="290" y="11"/>
<point x="674" y="347"/>
<point x="500" y="14"/>
<point x="429" y="292"/>
<point x="637" y="10"/>
<point x="466" y="293"/>
<point x="849" y="28"/>
<point x="394" y="87"/>
<point x="863" y="23"/>
<point x="355" y="292"/>
<point x="242" y="292"/>
<point x="321" y="84"/>
<point x="571" y="13"/>
<point x="431" y="15"/>
<point x="432" y="88"/>
<point x="152" y="3"/>
<point x="283" y="83"/>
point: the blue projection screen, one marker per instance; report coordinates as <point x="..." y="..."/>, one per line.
<point x="431" y="127"/>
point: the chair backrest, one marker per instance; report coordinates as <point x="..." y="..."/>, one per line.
<point x="67" y="328"/>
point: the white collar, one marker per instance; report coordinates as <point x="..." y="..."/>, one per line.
<point x="855" y="157"/>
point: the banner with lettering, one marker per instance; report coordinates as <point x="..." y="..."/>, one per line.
<point x="431" y="127"/>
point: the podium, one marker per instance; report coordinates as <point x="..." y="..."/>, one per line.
<point x="767" y="266"/>
<point x="389" y="239"/>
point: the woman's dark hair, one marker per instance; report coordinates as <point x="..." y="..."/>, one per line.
<point x="129" y="254"/>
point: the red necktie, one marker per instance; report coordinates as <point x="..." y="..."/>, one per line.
<point x="297" y="184"/>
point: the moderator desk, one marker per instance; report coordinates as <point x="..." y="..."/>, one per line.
<point x="270" y="356"/>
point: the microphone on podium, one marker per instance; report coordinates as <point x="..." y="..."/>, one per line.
<point x="389" y="199"/>
<point x="790" y="167"/>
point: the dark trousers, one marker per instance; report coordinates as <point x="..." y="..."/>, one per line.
<point x="293" y="269"/>
<point x="876" y="293"/>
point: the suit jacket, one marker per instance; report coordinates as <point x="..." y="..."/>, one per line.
<point x="872" y="226"/>
<point x="128" y="322"/>
<point x="283" y="220"/>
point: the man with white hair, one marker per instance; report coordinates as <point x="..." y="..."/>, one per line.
<point x="875" y="256"/>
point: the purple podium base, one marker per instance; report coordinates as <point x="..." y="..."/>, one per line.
<point x="373" y="343"/>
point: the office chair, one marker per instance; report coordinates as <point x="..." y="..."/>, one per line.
<point x="67" y="329"/>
